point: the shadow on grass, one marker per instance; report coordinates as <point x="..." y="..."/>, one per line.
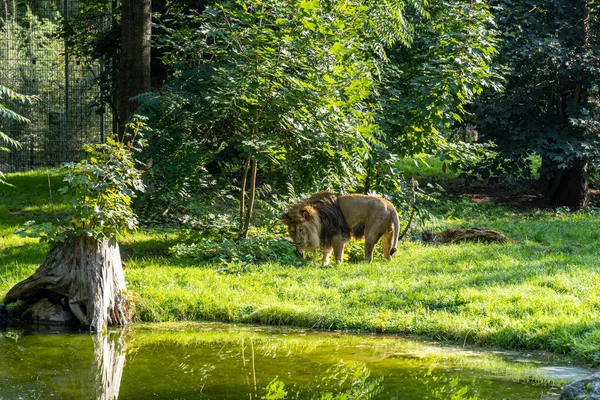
<point x="12" y="257"/>
<point x="155" y="252"/>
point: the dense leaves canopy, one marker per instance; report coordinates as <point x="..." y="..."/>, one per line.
<point x="550" y="105"/>
<point x="312" y="89"/>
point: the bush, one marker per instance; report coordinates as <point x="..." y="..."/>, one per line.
<point x="100" y="188"/>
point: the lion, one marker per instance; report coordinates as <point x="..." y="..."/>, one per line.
<point x="329" y="221"/>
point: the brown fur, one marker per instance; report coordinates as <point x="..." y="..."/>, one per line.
<point x="329" y="221"/>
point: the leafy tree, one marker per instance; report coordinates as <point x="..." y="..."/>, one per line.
<point x="93" y="34"/>
<point x="426" y="86"/>
<point x="280" y="84"/>
<point x="550" y="105"/>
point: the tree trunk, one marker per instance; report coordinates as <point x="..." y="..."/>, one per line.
<point x="134" y="72"/>
<point x="243" y="193"/>
<point x="369" y="175"/>
<point x="569" y="187"/>
<point x="244" y="233"/>
<point x="85" y="272"/>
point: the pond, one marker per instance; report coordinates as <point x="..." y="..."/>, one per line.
<point x="220" y="361"/>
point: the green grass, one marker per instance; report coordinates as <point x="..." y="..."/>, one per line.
<point x="541" y="291"/>
<point x="427" y="169"/>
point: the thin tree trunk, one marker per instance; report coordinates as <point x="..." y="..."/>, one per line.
<point x="243" y="193"/>
<point x="88" y="274"/>
<point x="369" y="176"/>
<point x="244" y="234"/>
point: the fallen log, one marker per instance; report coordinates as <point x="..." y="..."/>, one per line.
<point x="464" y="235"/>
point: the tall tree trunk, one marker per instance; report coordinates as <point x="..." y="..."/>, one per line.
<point x="570" y="187"/>
<point x="134" y="72"/>
<point x="86" y="273"/>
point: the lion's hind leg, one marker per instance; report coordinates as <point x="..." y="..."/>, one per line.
<point x="369" y="250"/>
<point x="372" y="236"/>
<point x="386" y="243"/>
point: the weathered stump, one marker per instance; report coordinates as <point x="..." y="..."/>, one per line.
<point x="88" y="275"/>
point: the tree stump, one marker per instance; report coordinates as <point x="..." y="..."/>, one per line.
<point x="87" y="274"/>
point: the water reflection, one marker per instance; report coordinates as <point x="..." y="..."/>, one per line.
<point x="217" y="361"/>
<point x="341" y="381"/>
<point x="109" y="361"/>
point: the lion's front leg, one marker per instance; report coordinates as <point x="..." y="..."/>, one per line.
<point x="326" y="255"/>
<point x="339" y="243"/>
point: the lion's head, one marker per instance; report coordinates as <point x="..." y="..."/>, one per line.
<point x="304" y="227"/>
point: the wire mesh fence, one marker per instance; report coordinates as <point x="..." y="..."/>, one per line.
<point x="34" y="59"/>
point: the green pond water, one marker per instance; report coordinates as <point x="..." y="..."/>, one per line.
<point x="220" y="361"/>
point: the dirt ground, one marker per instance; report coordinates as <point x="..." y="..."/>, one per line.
<point x="511" y="196"/>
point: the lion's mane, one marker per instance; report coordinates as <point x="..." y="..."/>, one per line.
<point x="322" y="209"/>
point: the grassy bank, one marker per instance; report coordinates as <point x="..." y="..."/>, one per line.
<point x="541" y="291"/>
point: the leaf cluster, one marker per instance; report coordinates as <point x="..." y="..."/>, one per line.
<point x="288" y="83"/>
<point x="100" y="188"/>
<point x="426" y="86"/>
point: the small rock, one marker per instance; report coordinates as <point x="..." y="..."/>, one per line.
<point x="46" y="312"/>
<point x="14" y="310"/>
<point x="588" y="389"/>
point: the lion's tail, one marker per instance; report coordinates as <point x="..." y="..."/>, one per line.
<point x="396" y="222"/>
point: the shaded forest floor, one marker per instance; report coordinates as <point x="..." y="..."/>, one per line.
<point x="518" y="197"/>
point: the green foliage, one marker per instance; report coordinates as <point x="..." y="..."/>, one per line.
<point x="427" y="85"/>
<point x="288" y="84"/>
<point x="443" y="387"/>
<point x="252" y="251"/>
<point x="260" y="79"/>
<point x="100" y="189"/>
